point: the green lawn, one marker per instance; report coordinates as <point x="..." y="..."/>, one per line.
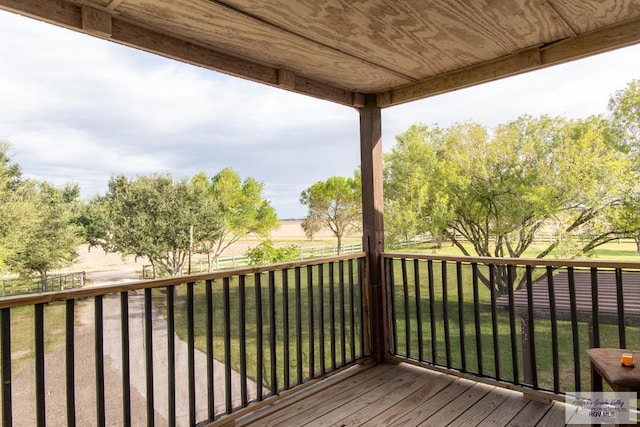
<point x="619" y="250"/>
<point x="22" y="329"/>
<point x="437" y="330"/>
<point x="625" y="250"/>
<point x="251" y="323"/>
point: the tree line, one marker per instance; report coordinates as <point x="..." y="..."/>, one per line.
<point x="496" y="189"/>
<point x="163" y="219"/>
<point x="490" y="192"/>
<point x="38" y="228"/>
<point x="578" y="179"/>
<point x="166" y="219"/>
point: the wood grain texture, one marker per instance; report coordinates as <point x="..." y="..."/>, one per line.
<point x="69" y="15"/>
<point x="373" y="224"/>
<point x="589" y="15"/>
<point x="58" y="12"/>
<point x="225" y="29"/>
<point x="503" y="413"/>
<point x="317" y="404"/>
<point x="553" y="418"/>
<point x="397" y="404"/>
<point x="335" y="49"/>
<point x="416" y="38"/>
<point x="530" y="414"/>
<point x="474" y="404"/>
<point x="95" y="21"/>
<point x="485" y="72"/>
<point x="433" y="382"/>
<point x="427" y="399"/>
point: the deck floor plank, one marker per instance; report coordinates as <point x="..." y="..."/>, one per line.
<point x="499" y="406"/>
<point x="278" y="415"/>
<point x="399" y="387"/>
<point x="428" y="407"/>
<point x="316" y="405"/>
<point x="465" y="408"/>
<point x="406" y="395"/>
<point x="394" y="407"/>
<point x="553" y="418"/>
<point x="532" y="413"/>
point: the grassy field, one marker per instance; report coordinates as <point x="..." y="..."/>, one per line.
<point x="22" y="326"/>
<point x="22" y="329"/>
<point x="447" y="340"/>
<point x="620" y="250"/>
<point x="286" y="354"/>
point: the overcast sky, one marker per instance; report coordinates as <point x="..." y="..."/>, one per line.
<point x="78" y="109"/>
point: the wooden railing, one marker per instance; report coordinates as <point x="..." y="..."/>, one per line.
<point x="182" y="350"/>
<point x="526" y="323"/>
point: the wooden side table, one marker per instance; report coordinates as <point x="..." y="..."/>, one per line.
<point x="605" y="364"/>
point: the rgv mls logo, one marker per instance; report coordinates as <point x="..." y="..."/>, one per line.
<point x="601" y="408"/>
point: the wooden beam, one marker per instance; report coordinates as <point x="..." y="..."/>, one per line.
<point x="56" y="12"/>
<point x="593" y="42"/>
<point x="286" y="79"/>
<point x="70" y="15"/>
<point x="113" y="4"/>
<point x="513" y="64"/>
<point x="587" y="44"/>
<point x="372" y="219"/>
<point x="96" y="22"/>
<point x="358" y="100"/>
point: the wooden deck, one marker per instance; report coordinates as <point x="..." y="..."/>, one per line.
<point x="405" y="395"/>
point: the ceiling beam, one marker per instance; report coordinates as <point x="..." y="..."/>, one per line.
<point x="100" y="23"/>
<point x="586" y="44"/>
<point x="96" y="22"/>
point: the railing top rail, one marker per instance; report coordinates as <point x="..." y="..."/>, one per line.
<point x="534" y="262"/>
<point x="31" y="299"/>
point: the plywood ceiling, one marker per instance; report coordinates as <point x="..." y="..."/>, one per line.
<point x="340" y="50"/>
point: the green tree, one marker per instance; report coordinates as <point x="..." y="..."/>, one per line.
<point x="50" y="238"/>
<point x="14" y="211"/>
<point x="267" y="253"/>
<point x="237" y="208"/>
<point x="334" y="203"/>
<point x="413" y="206"/>
<point x="149" y="216"/>
<point x="498" y="191"/>
<point x="93" y="218"/>
<point x="165" y="220"/>
<point x="624" y="107"/>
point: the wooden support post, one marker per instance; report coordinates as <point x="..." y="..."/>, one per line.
<point x="372" y="217"/>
